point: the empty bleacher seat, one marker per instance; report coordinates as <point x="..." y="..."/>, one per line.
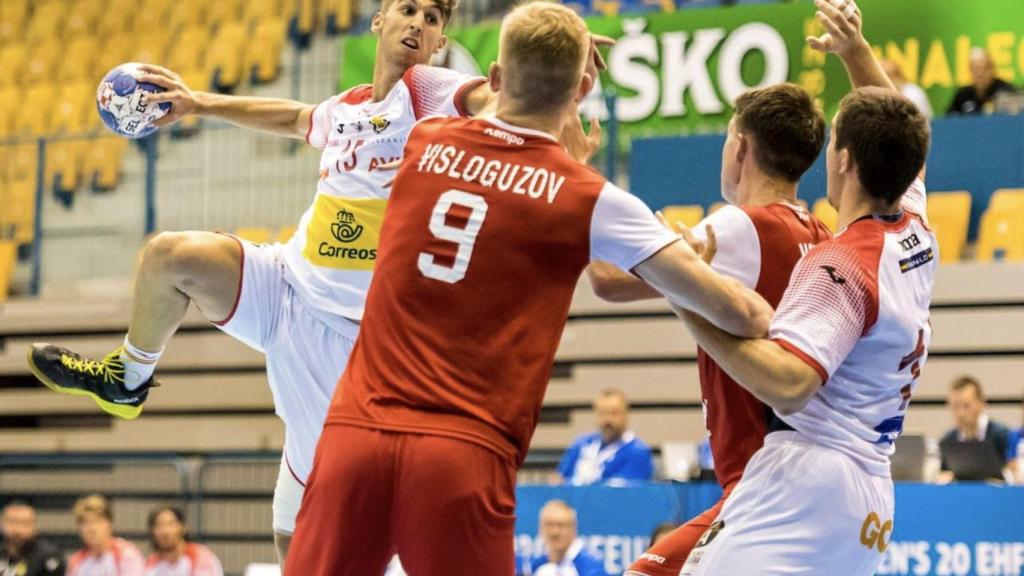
<point x="13" y="57"/>
<point x="301" y="16"/>
<point x="263" y="53"/>
<point x="256" y="10"/>
<point x="949" y="214"/>
<point x="113" y="52"/>
<point x="81" y="19"/>
<point x="189" y="52"/>
<point x="117" y="17"/>
<point x="46" y="22"/>
<point x="186" y="13"/>
<point x="150" y="48"/>
<point x="336" y="15"/>
<point x="826" y="213"/>
<point x="8" y="258"/>
<point x="9" y="105"/>
<point x="101" y="162"/>
<point x="222" y="12"/>
<point x="43" y="62"/>
<point x="226" y="56"/>
<point x="1001" y="236"/>
<point x="78" y="63"/>
<point x="35" y="120"/>
<point x="689" y="215"/>
<point x="13" y="16"/>
<point x="20" y="213"/>
<point x="1007" y="199"/>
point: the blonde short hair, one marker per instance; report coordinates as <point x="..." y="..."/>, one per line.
<point x="94" y="504"/>
<point x="544" y="48"/>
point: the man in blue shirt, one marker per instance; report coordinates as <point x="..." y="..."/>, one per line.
<point x="565" y="555"/>
<point x="613" y="455"/>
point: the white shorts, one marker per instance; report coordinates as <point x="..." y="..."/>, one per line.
<point x="801" y="508"/>
<point x="306" y="350"/>
<point x="287" y="499"/>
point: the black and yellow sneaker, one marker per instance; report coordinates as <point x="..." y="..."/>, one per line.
<point x="64" y="371"/>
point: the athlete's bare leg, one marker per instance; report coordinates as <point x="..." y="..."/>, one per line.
<point x="176" y="268"/>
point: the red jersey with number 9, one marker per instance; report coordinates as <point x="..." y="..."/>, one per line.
<point x="485" y="236"/>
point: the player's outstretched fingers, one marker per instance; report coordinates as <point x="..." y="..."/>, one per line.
<point x="711" y="246"/>
<point x="160" y="71"/>
<point x="697" y="245"/>
<point x="159" y="80"/>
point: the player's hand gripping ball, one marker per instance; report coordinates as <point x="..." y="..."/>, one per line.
<point x="120" y="102"/>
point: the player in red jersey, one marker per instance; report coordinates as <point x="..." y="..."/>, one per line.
<point x="774" y="137"/>
<point x="489" y="226"/>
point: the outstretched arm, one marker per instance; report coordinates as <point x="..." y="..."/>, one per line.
<point x="275" y="116"/>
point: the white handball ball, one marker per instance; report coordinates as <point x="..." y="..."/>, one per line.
<point x="120" y="104"/>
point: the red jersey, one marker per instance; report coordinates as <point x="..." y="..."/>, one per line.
<point x="487" y="231"/>
<point x="759" y="246"/>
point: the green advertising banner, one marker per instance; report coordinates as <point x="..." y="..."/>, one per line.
<point x="679" y="72"/>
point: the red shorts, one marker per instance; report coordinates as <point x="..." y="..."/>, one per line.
<point x="666" y="558"/>
<point x="445" y="506"/>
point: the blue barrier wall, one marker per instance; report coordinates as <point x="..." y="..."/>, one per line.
<point x="961" y="530"/>
<point x="980" y="155"/>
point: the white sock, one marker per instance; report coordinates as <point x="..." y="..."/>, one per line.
<point x="138" y="364"/>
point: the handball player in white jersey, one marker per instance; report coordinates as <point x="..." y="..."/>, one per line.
<point x="844" y="352"/>
<point x="299" y="302"/>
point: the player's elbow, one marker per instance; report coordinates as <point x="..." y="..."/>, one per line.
<point x="754" y="317"/>
<point x="795" y="395"/>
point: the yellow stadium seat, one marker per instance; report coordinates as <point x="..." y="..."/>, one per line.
<point x="63" y="167"/>
<point x="150" y="48"/>
<point x="221" y="12"/>
<point x="22" y="211"/>
<point x="9" y="104"/>
<point x="689" y="215"/>
<point x="826" y="213"/>
<point x="285" y="234"/>
<point x="13" y="16"/>
<point x="81" y="19"/>
<point x="1001" y="236"/>
<point x="46" y="22"/>
<point x="949" y="215"/>
<point x="21" y="165"/>
<point x="256" y="10"/>
<point x="1007" y="199"/>
<point x="36" y="120"/>
<point x="187" y="13"/>
<point x="12" y="64"/>
<point x="42" y="62"/>
<point x="101" y="162"/>
<point x="116" y="18"/>
<point x="151" y="17"/>
<point x="263" y="53"/>
<point x="336" y="15"/>
<point x="8" y="258"/>
<point x="301" y="16"/>
<point x="255" y="235"/>
<point x="189" y="51"/>
<point x="114" y="52"/>
<point x="70" y="110"/>
<point x="226" y="55"/>
<point x="79" y="60"/>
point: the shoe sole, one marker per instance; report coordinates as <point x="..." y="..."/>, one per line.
<point x="118" y="410"/>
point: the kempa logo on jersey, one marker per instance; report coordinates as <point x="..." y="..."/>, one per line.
<point x="874" y="533"/>
<point x="344" y="232"/>
<point x="505" y="136"/>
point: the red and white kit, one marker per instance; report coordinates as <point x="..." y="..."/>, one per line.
<point x="489" y="227"/>
<point x="818" y="497"/>
<point x="759" y="246"/>
<point x="300" y="302"/>
<point x="123" y="559"/>
<point x="198" y="560"/>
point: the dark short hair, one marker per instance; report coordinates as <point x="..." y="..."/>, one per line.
<point x="155" y="513"/>
<point x="968" y="382"/>
<point x="888" y="138"/>
<point x="787" y="127"/>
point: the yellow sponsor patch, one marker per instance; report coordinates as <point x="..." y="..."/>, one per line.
<point x="344" y="232"/>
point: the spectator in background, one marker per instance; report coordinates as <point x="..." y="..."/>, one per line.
<point x="565" y="554"/>
<point x="979" y="96"/>
<point x="913" y="92"/>
<point x="173" y="554"/>
<point x="22" y="552"/>
<point x="613" y="454"/>
<point x="660" y="531"/>
<point x="102" y="553"/>
<point x="972" y="423"/>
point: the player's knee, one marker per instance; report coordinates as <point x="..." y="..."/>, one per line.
<point x="178" y="255"/>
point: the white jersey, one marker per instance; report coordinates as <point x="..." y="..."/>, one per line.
<point x="330" y="258"/>
<point x="857" y="312"/>
<point x="123" y="559"/>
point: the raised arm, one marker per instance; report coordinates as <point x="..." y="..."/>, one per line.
<point x="844" y="37"/>
<point x="275" y="116"/>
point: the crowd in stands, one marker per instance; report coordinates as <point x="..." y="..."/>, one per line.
<point x="23" y="552"/>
